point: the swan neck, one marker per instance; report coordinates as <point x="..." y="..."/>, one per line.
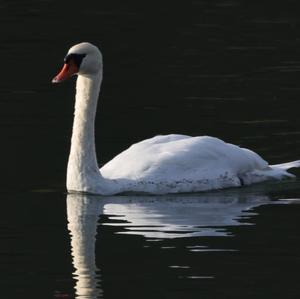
<point x="83" y="171"/>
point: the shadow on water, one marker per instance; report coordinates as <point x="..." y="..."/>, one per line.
<point x="164" y="226"/>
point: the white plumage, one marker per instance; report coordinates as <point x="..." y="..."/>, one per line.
<point x="179" y="163"/>
<point x="160" y="165"/>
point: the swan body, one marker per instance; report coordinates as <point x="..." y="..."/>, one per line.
<point x="160" y="165"/>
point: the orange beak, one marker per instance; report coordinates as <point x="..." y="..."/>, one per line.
<point x="68" y="70"/>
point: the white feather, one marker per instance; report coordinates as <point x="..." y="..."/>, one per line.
<point x="160" y="165"/>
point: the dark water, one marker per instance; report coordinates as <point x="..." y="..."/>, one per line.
<point x="229" y="244"/>
<point x="222" y="68"/>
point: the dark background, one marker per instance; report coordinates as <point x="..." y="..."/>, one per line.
<point x="223" y="68"/>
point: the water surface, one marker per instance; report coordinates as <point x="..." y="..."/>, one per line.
<point x="222" y="68"/>
<point x="236" y="242"/>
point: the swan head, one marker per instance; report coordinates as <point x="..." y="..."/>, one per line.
<point x="82" y="59"/>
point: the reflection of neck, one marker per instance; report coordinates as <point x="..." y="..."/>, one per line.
<point x="83" y="173"/>
<point x="83" y="229"/>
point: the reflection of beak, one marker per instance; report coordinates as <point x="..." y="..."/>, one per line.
<point x="67" y="71"/>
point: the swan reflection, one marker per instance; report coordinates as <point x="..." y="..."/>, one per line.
<point x="178" y="216"/>
<point x="83" y="212"/>
<point x="155" y="218"/>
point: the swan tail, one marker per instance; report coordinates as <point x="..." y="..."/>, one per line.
<point x="286" y="166"/>
<point x="273" y="172"/>
<point x="280" y="171"/>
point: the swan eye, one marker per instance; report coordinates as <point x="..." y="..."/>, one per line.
<point x="76" y="58"/>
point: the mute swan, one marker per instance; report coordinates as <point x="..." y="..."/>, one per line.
<point x="159" y="165"/>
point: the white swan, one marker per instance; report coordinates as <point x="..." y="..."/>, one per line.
<point x="160" y="165"/>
